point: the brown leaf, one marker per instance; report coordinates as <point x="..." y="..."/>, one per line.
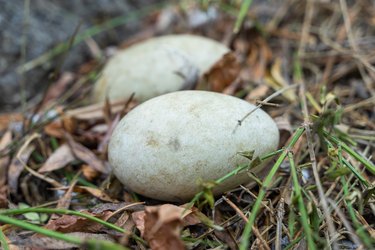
<point x="4" y="162"/>
<point x="59" y="159"/>
<point x="8" y="118"/>
<point x="43" y="242"/>
<point x="223" y="73"/>
<point x="55" y="90"/>
<point x="95" y="111"/>
<point x="139" y="220"/>
<point x="88" y="172"/>
<point x="16" y="168"/>
<point x="85" y="155"/>
<point x="95" y="192"/>
<point x="161" y="225"/>
<point x="54" y="129"/>
<point x="257" y="94"/>
<point x="276" y="80"/>
<point x="71" y="223"/>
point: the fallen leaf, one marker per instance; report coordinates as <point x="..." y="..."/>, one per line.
<point x="223" y="73"/>
<point x="88" y="172"/>
<point x="95" y="192"/>
<point x="8" y="118"/>
<point x="4" y="162"/>
<point x="86" y="155"/>
<point x="43" y="242"/>
<point x="58" y="159"/>
<point x="257" y="94"/>
<point x="54" y="91"/>
<point x="161" y="225"/>
<point x="16" y="168"/>
<point x="71" y="223"/>
<point x="275" y="79"/>
<point x="95" y="111"/>
<point x="54" y="129"/>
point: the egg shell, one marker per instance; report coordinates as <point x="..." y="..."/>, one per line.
<point x="157" y="66"/>
<point x="167" y="146"/>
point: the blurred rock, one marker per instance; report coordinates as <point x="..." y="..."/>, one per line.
<point x="49" y="23"/>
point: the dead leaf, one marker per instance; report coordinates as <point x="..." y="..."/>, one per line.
<point x="275" y="79"/>
<point x="16" y="168"/>
<point x="161" y="225"/>
<point x="95" y="192"/>
<point x="95" y="111"/>
<point x="86" y="155"/>
<point x="4" y="162"/>
<point x="71" y="223"/>
<point x="8" y="118"/>
<point x="257" y="94"/>
<point x="43" y="242"/>
<point x="88" y="172"/>
<point x="54" y="129"/>
<point x="55" y="90"/>
<point x="58" y="159"/>
<point x="223" y="73"/>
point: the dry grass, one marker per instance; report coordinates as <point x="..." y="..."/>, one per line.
<point x="312" y="65"/>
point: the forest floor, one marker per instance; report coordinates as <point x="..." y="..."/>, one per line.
<point x="308" y="64"/>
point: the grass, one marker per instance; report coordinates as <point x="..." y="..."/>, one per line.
<point x="319" y="192"/>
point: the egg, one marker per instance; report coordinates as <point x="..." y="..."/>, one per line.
<point x="168" y="146"/>
<point x="157" y="66"/>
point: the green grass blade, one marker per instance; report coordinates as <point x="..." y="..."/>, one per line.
<point x="368" y="165"/>
<point x="302" y="209"/>
<point x="89" y="244"/>
<point x="70" y="212"/>
<point x="4" y="244"/>
<point x="242" y="14"/>
<point x="267" y="182"/>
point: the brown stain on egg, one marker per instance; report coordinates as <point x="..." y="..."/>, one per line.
<point x="152" y="142"/>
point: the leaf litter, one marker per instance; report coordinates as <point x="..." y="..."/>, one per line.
<point x="60" y="162"/>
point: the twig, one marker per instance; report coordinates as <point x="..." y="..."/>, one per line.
<point x="242" y="215"/>
<point x="280" y="91"/>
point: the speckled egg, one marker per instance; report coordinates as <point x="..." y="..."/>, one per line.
<point x="167" y="146"/>
<point x="157" y="66"/>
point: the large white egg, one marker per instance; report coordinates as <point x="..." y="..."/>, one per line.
<point x="157" y="66"/>
<point x="168" y="145"/>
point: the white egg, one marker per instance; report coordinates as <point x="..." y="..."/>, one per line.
<point x="157" y="66"/>
<point x="167" y="146"/>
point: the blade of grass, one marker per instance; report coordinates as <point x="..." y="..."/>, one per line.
<point x="3" y="240"/>
<point x="302" y="209"/>
<point x="90" y="244"/>
<point x="70" y="212"/>
<point x="242" y="14"/>
<point x="267" y="182"/>
<point x="365" y="238"/>
<point x="368" y="165"/>
<point x="230" y="174"/>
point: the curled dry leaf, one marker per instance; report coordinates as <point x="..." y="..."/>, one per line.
<point x="257" y="94"/>
<point x="71" y="223"/>
<point x="43" y="242"/>
<point x="58" y="159"/>
<point x="96" y="111"/>
<point x="4" y="161"/>
<point x="86" y="155"/>
<point x="161" y="225"/>
<point x="54" y="91"/>
<point x="276" y="80"/>
<point x="223" y="73"/>
<point x="17" y="166"/>
<point x="8" y="118"/>
<point x="101" y="195"/>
